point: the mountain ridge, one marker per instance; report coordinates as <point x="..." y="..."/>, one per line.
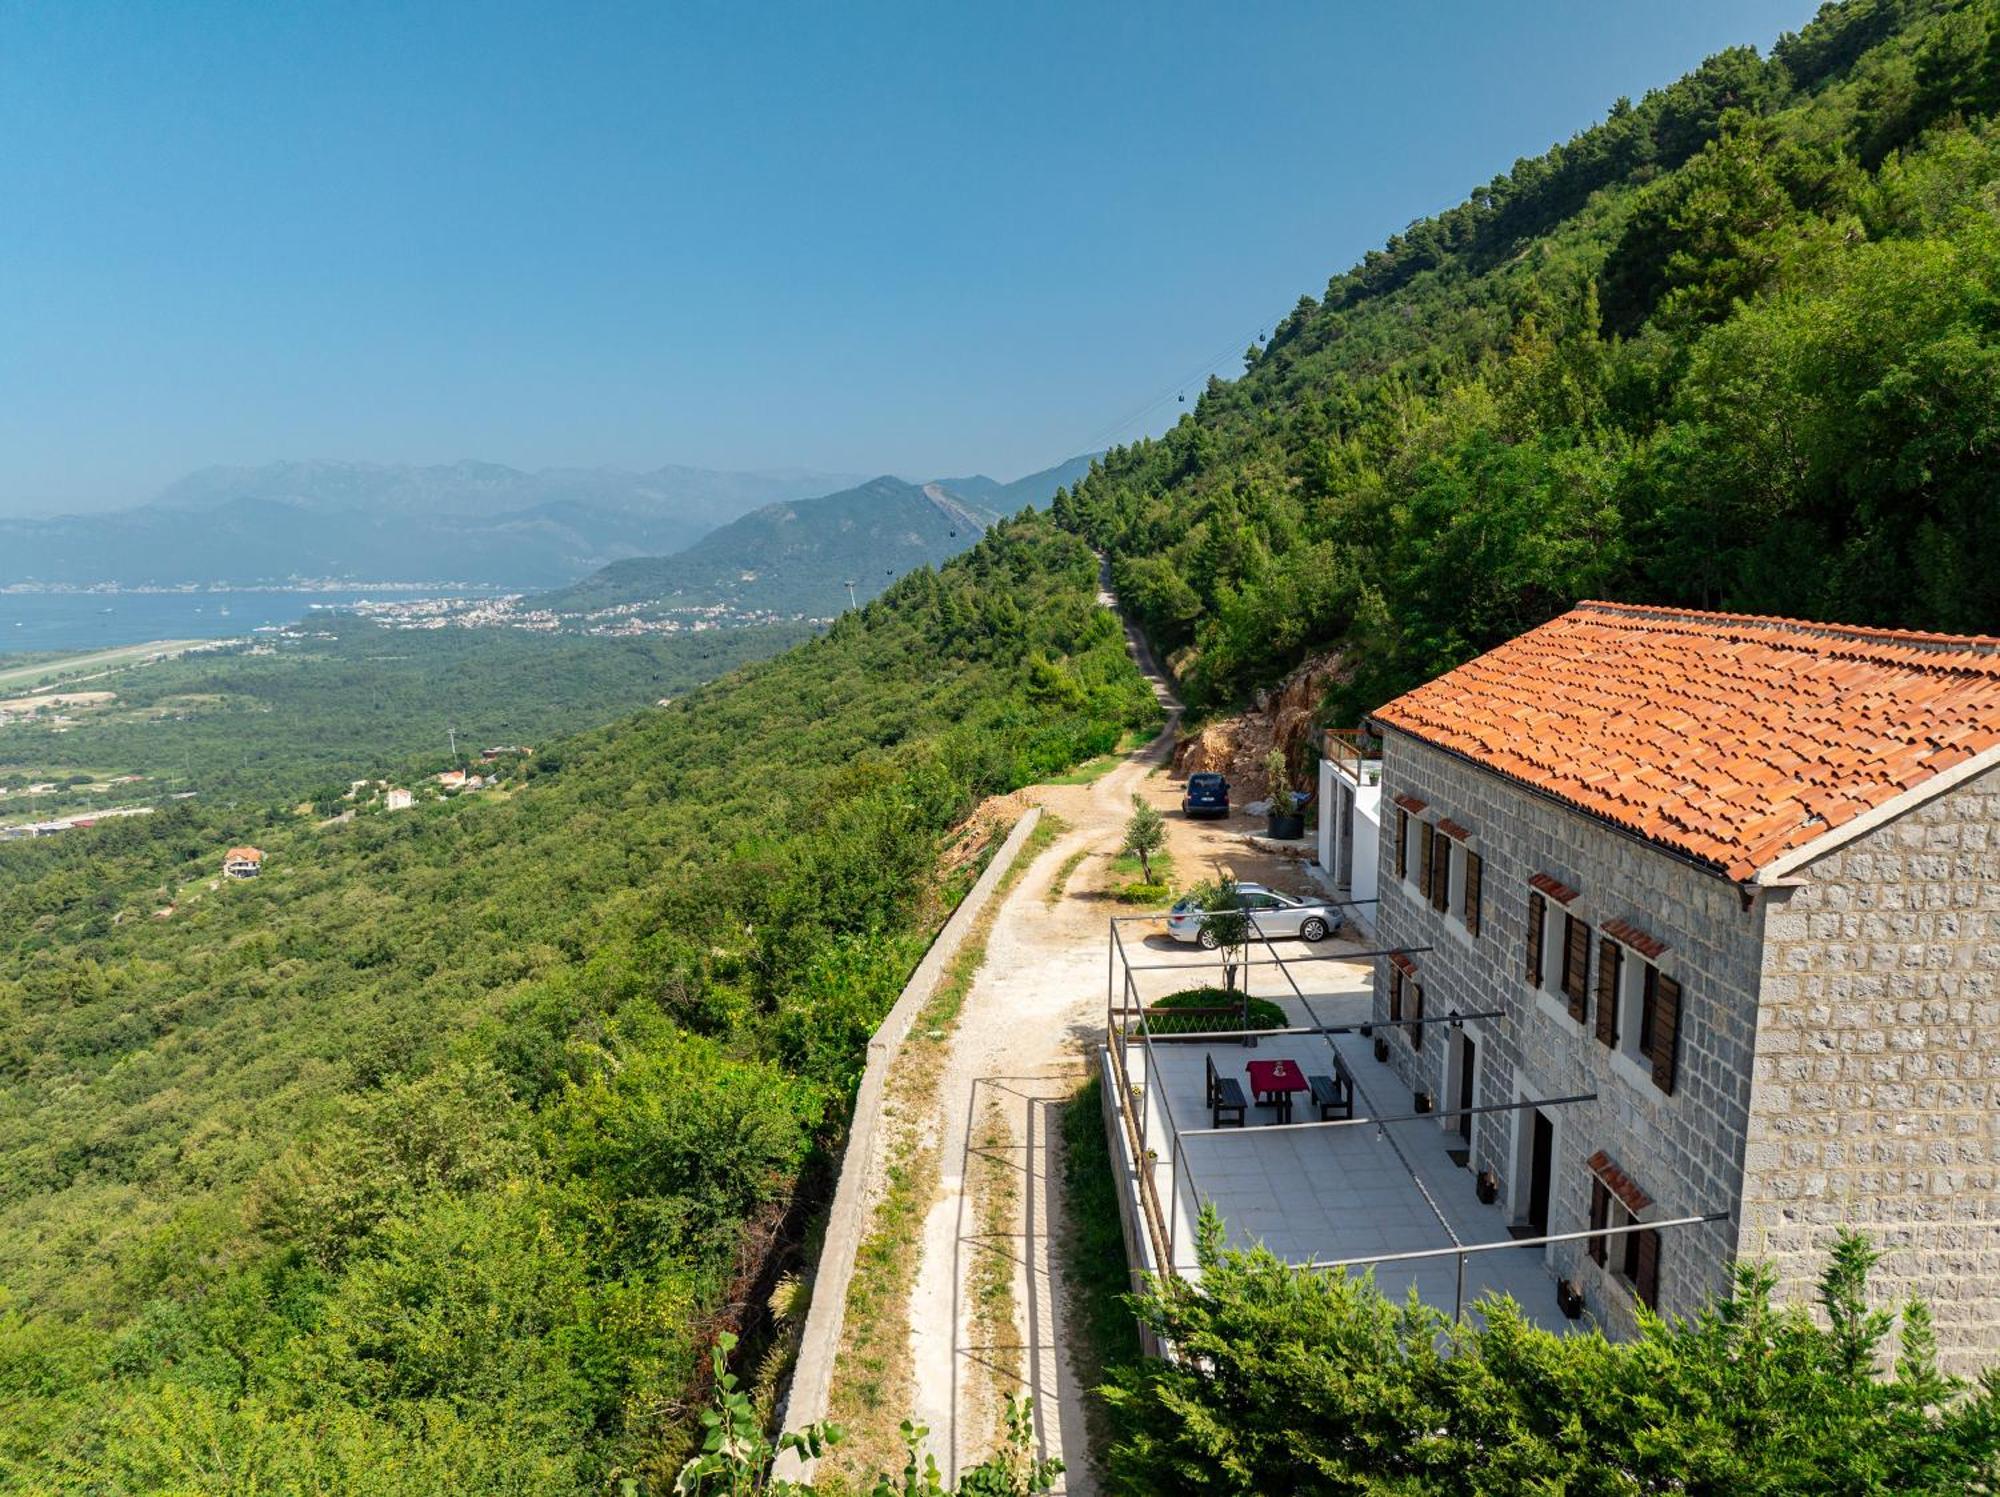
<point x="469" y="521"/>
<point x="797" y="558"/>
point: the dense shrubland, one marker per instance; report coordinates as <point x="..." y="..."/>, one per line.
<point x="1735" y="347"/>
<point x="1289" y="1382"/>
<point x="435" y="1158"/>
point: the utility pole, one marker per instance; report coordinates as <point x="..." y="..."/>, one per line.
<point x="453" y="732"/>
<point x="850" y="594"/>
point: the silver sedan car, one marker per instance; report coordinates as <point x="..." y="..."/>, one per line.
<point x="1272" y="914"/>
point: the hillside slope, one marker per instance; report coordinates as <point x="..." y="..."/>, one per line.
<point x="793" y="559"/>
<point x="432" y="1159"/>
<point x="1734" y="347"/>
<point x="798" y="559"/>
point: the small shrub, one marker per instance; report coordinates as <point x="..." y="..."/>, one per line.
<point x="1264" y="1014"/>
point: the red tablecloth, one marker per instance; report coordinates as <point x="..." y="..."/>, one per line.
<point x="1268" y="1078"/>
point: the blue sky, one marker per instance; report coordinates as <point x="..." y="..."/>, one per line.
<point x="917" y="238"/>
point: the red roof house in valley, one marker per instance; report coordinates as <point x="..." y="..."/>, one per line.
<point x="243" y="862"/>
<point x="1737" y="740"/>
<point x="1713" y="901"/>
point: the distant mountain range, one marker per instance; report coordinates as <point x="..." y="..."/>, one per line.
<point x="460" y="522"/>
<point x="798" y="557"/>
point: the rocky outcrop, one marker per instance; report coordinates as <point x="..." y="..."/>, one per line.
<point x="1236" y="746"/>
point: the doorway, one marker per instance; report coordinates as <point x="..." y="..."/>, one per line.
<point x="1468" y="1065"/>
<point x="1541" y="1168"/>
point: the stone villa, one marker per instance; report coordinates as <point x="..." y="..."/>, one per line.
<point x="1734" y="883"/>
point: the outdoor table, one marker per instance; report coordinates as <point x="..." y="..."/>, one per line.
<point x="1272" y="1083"/>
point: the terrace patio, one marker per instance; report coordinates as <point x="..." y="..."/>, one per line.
<point x="1380" y="1185"/>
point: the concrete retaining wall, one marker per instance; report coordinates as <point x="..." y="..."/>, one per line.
<point x="812" y="1377"/>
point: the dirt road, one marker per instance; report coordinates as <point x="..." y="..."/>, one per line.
<point x="1018" y="1054"/>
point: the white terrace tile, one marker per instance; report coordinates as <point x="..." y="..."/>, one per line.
<point x="1331" y="1193"/>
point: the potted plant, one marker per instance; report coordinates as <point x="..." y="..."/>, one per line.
<point x="1382" y="1047"/>
<point x="1284" y="823"/>
<point x="1423" y="1101"/>
<point x="1569" y="1298"/>
<point x="1487" y="1186"/>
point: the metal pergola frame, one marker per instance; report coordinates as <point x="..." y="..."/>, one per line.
<point x="1159" y="1217"/>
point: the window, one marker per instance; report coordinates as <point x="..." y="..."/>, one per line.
<point x="1402" y="843"/>
<point x="1416" y="1016"/>
<point x="1470" y="908"/>
<point x="1440" y="872"/>
<point x="1660" y="1026"/>
<point x="1426" y="842"/>
<point x="1632" y="1257"/>
<point x="1538" y="918"/>
<point x="1395" y="995"/>
<point x="1610" y="963"/>
<point x="1639" y="1012"/>
<point x="1576" y="966"/>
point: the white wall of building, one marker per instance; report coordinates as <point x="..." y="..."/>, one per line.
<point x="1350" y="834"/>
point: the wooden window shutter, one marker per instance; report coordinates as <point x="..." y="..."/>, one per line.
<point x="1472" y="875"/>
<point x="1600" y="1218"/>
<point x="1610" y="962"/>
<point x="1666" y="1031"/>
<point x="1440" y="872"/>
<point x="1395" y="994"/>
<point x="1576" y="967"/>
<point x="1416" y="1015"/>
<point x="1646" y="1268"/>
<point x="1538" y="914"/>
<point x="1424" y="840"/>
<point x="1402" y="843"/>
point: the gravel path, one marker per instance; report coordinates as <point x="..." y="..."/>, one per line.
<point x="1018" y="1053"/>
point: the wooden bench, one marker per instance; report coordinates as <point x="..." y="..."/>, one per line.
<point x="1333" y="1093"/>
<point x="1226" y="1103"/>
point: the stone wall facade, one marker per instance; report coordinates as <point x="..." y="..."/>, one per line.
<point x="1684" y="1150"/>
<point x="1876" y="1100"/>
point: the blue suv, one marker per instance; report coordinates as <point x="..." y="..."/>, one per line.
<point x="1207" y="795"/>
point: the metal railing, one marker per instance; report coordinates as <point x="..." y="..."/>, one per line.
<point x="1462" y="1251"/>
<point x="1355" y="753"/>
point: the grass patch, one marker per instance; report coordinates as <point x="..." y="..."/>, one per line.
<point x="996" y="1188"/>
<point x="1061" y="880"/>
<point x="1129" y="884"/>
<point x="1105" y="1333"/>
<point x="872" y="1379"/>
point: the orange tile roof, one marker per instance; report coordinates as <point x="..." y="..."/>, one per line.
<point x="1730" y="738"/>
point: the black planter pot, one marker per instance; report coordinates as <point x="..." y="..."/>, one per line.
<point x="1569" y="1299"/>
<point x="1423" y="1101"/>
<point x="1381" y="1048"/>
<point x="1487" y="1187"/>
<point x="1367" y="1030"/>
<point x="1286" y="827"/>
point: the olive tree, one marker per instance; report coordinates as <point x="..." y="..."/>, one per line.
<point x="1145" y="834"/>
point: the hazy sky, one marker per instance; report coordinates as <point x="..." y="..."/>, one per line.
<point x="918" y="238"/>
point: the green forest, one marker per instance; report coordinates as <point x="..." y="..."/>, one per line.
<point x="1734" y="347"/>
<point x="442" y="1156"/>
<point x="308" y="711"/>
<point x="436" y="1158"/>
